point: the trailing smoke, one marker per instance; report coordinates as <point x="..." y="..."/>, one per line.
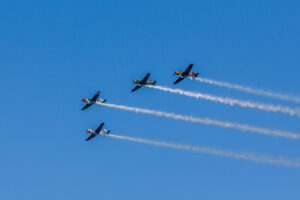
<point x="232" y="102"/>
<point x="250" y="90"/>
<point x="212" y="151"/>
<point x="207" y="121"/>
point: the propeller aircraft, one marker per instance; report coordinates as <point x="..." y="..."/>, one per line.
<point x="183" y="75"/>
<point x="97" y="131"/>
<point x="141" y="83"/>
<point x="93" y="100"/>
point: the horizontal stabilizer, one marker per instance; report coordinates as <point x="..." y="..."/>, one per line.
<point x="103" y="100"/>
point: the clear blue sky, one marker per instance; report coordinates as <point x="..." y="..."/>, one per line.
<point x="53" y="53"/>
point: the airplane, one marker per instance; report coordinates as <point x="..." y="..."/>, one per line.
<point x="93" y="100"/>
<point x="97" y="131"/>
<point x="183" y="75"/>
<point x="142" y="82"/>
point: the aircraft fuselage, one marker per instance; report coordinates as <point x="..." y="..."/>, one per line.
<point x="183" y="76"/>
<point x="88" y="101"/>
<point x="139" y="82"/>
<point x="92" y="131"/>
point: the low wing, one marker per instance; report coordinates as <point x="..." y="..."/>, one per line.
<point x="95" y="97"/>
<point x="136" y="87"/>
<point x="90" y="137"/>
<point x="144" y="80"/>
<point x="187" y="71"/>
<point x="86" y="106"/>
<point x="178" y="80"/>
<point x="99" y="128"/>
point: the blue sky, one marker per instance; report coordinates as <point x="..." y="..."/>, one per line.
<point x="54" y="53"/>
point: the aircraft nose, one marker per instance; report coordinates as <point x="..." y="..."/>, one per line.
<point x="84" y="99"/>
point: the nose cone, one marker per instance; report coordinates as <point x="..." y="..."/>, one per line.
<point x="84" y="99"/>
<point x="89" y="130"/>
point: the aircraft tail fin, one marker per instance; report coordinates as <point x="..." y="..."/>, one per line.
<point x="103" y="100"/>
<point x="196" y="75"/>
<point x="154" y="82"/>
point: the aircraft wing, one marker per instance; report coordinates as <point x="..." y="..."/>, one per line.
<point x="136" y="87"/>
<point x="95" y="97"/>
<point x="90" y="137"/>
<point x="144" y="80"/>
<point x="178" y="80"/>
<point x="86" y="106"/>
<point x="99" y="128"/>
<point x="187" y="71"/>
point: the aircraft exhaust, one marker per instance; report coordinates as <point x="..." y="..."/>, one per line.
<point x="233" y="102"/>
<point x="207" y="121"/>
<point x="212" y="151"/>
<point x="250" y="90"/>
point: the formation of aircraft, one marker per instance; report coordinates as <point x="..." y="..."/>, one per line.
<point x="139" y="83"/>
<point x="186" y="73"/>
<point x="98" y="131"/>
<point x="90" y="102"/>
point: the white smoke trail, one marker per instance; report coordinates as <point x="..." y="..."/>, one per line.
<point x="212" y="151"/>
<point x="207" y="121"/>
<point x="232" y="102"/>
<point x="260" y="92"/>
